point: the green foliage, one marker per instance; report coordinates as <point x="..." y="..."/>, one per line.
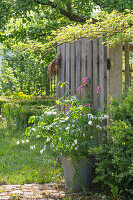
<point x="114" y="28"/>
<point x="71" y="132"/>
<point x="19" y="72"/>
<point x="75" y="10"/>
<point x="115" y="166"/>
<point x="20" y="107"/>
<point x="19" y="167"/>
<point x="21" y="96"/>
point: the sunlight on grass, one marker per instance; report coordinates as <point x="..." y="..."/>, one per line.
<point x="20" y="165"/>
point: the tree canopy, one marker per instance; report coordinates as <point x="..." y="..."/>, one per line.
<point x="53" y="12"/>
<point x="31" y="27"/>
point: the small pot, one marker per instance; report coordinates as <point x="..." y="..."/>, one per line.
<point x="77" y="174"/>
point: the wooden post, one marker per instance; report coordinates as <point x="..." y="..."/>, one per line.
<point x="63" y="67"/>
<point x="58" y="79"/>
<point x="78" y="62"/>
<point x="115" y="72"/>
<point x="95" y="73"/>
<point x="127" y="73"/>
<point x="73" y="69"/>
<point x="101" y="73"/>
<point x="83" y="61"/>
<point x="89" y="66"/>
<point x="68" y="79"/>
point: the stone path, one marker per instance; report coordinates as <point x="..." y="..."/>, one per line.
<point x="49" y="191"/>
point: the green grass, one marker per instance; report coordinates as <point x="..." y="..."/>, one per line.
<point x="20" y="165"/>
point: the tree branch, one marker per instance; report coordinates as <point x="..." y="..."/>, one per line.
<point x="72" y="16"/>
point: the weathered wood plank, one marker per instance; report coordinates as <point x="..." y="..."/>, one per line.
<point x="58" y="78"/>
<point x="127" y="73"/>
<point x="63" y="67"/>
<point x="68" y="66"/>
<point x="101" y="74"/>
<point x="73" y="68"/>
<point x="105" y="75"/>
<point x="89" y="66"/>
<point x="83" y="61"/>
<point x="78" y="64"/>
<point x="115" y="72"/>
<point x="95" y="73"/>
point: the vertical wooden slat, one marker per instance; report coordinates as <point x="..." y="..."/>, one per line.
<point x="101" y="73"/>
<point x="51" y="86"/>
<point x="127" y="73"/>
<point x="58" y="78"/>
<point x="115" y="72"/>
<point x="83" y="61"/>
<point x="105" y="75"/>
<point x="63" y="67"/>
<point x="54" y="85"/>
<point x="68" y="65"/>
<point x="89" y="66"/>
<point x="73" y="69"/>
<point x="78" y="62"/>
<point x="95" y="73"/>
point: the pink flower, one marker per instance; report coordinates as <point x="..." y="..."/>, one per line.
<point x="67" y="108"/>
<point x="98" y="89"/>
<point x="79" y="89"/>
<point x="85" y="80"/>
<point x="89" y="105"/>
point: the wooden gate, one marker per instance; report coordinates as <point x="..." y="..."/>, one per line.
<point x="84" y="58"/>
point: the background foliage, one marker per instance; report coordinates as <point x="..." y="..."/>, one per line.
<point x="115" y="166"/>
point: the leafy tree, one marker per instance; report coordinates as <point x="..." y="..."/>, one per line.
<point x="26" y="28"/>
<point x="53" y="12"/>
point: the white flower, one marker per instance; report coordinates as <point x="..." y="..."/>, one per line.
<point x="33" y="129"/>
<point x="41" y="151"/>
<point x="106" y="116"/>
<point x="73" y="144"/>
<point x="23" y="141"/>
<point x="90" y="116"/>
<point x="76" y="141"/>
<point x="103" y="117"/>
<point x="67" y="128"/>
<point x="91" y="137"/>
<point x="48" y="139"/>
<point x="98" y="126"/>
<point x="18" y="142"/>
<point x="73" y="125"/>
<point x="27" y="141"/>
<point x="90" y="122"/>
<point x="66" y="118"/>
<point x="52" y="145"/>
<point x="83" y="135"/>
<point x="50" y="113"/>
<point x="76" y="148"/>
<point x="38" y="136"/>
<point x="60" y="139"/>
<point x="32" y="147"/>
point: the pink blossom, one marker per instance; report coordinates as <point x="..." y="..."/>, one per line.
<point x="85" y="80"/>
<point x="89" y="105"/>
<point x="98" y="89"/>
<point x="67" y="108"/>
<point x="79" y="89"/>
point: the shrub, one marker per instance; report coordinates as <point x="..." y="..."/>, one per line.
<point x="115" y="157"/>
<point x="18" y="115"/>
<point x="20" y="107"/>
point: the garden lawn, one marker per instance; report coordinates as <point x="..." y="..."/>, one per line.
<point x="20" y="165"/>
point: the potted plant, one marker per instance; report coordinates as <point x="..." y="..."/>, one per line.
<point x="72" y="134"/>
